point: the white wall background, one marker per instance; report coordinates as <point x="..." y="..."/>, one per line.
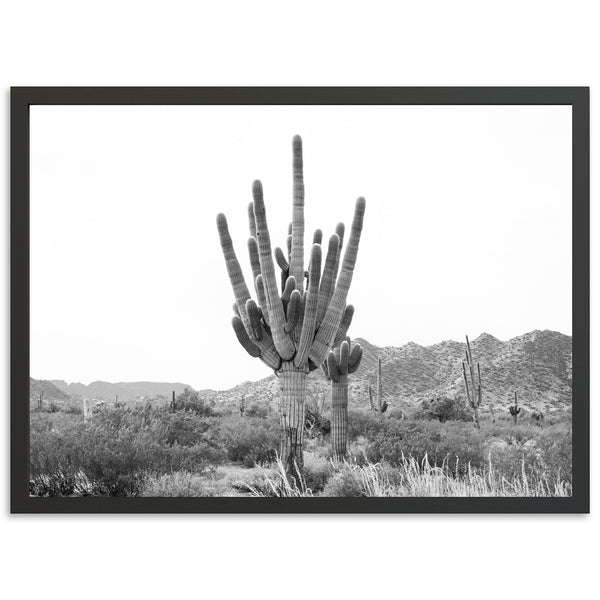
<point x="468" y="227"/>
<point x="183" y="43"/>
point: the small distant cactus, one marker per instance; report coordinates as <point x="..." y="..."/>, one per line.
<point x="341" y="362"/>
<point x="41" y="397"/>
<point x="87" y="414"/>
<point x="380" y="405"/>
<point x="514" y="409"/>
<point x="173" y="403"/>
<point x="242" y="406"/>
<point x="474" y="391"/>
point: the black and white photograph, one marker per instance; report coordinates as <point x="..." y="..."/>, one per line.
<point x="301" y="301"/>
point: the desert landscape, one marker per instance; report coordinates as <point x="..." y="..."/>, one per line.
<point x="167" y="439"/>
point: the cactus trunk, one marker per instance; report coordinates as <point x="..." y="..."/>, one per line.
<point x="473" y="391"/>
<point x="291" y="412"/>
<point x="340" y="362"/>
<point x="339" y="417"/>
<point x="515" y="410"/>
<point x="379" y="385"/>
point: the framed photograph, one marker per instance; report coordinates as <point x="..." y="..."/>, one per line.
<point x="320" y="300"/>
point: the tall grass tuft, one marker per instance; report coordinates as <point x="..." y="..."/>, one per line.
<point x="275" y="484"/>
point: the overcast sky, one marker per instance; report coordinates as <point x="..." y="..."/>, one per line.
<point x="467" y="228"/>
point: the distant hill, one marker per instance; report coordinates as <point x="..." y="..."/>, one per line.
<point x="126" y="391"/>
<point x="45" y="392"/>
<point x="537" y="365"/>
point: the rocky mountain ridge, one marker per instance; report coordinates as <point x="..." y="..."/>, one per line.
<point x="537" y="365"/>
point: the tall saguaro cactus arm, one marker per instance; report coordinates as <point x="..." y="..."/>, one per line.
<point x="265" y="345"/>
<point x="333" y="316"/>
<point x="283" y="343"/>
<point x="310" y="308"/>
<point x="297" y="254"/>
<point x="381" y="405"/>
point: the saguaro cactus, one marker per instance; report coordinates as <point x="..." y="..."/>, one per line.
<point x="86" y="410"/>
<point x="341" y="362"/>
<point x="474" y="390"/>
<point x="514" y="409"/>
<point x="291" y="331"/>
<point x="381" y="405"/>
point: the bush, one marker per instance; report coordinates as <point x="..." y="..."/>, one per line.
<point x="537" y="452"/>
<point x="317" y="471"/>
<point x="249" y="440"/>
<point x="316" y="423"/>
<point x="262" y="411"/>
<point x="190" y="400"/>
<point x="457" y="444"/>
<point x="362" y="423"/>
<point x="178" y="484"/>
<point x="110" y="456"/>
<point x="444" y="409"/>
<point x="346" y="483"/>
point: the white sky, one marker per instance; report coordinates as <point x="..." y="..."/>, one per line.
<point x="467" y="229"/>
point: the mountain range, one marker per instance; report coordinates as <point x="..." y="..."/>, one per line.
<point x="124" y="391"/>
<point x="537" y="365"/>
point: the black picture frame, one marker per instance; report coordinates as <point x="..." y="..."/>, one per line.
<point x="23" y="97"/>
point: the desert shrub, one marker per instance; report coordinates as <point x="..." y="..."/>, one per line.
<point x="365" y="423"/>
<point x="319" y="446"/>
<point x="397" y="413"/>
<point x="112" y="455"/>
<point x="316" y="422"/>
<point x="59" y="483"/>
<point x="177" y="484"/>
<point x="444" y="409"/>
<point x="262" y="411"/>
<point x="539" y="453"/>
<point x="357" y="451"/>
<point x="190" y="400"/>
<point x="249" y="440"/>
<point x="556" y="443"/>
<point x="273" y="483"/>
<point x="456" y="444"/>
<point x="186" y="429"/>
<point x="317" y="470"/>
<point x="345" y="483"/>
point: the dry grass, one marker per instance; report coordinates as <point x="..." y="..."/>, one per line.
<point x="416" y="479"/>
<point x="275" y="484"/>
